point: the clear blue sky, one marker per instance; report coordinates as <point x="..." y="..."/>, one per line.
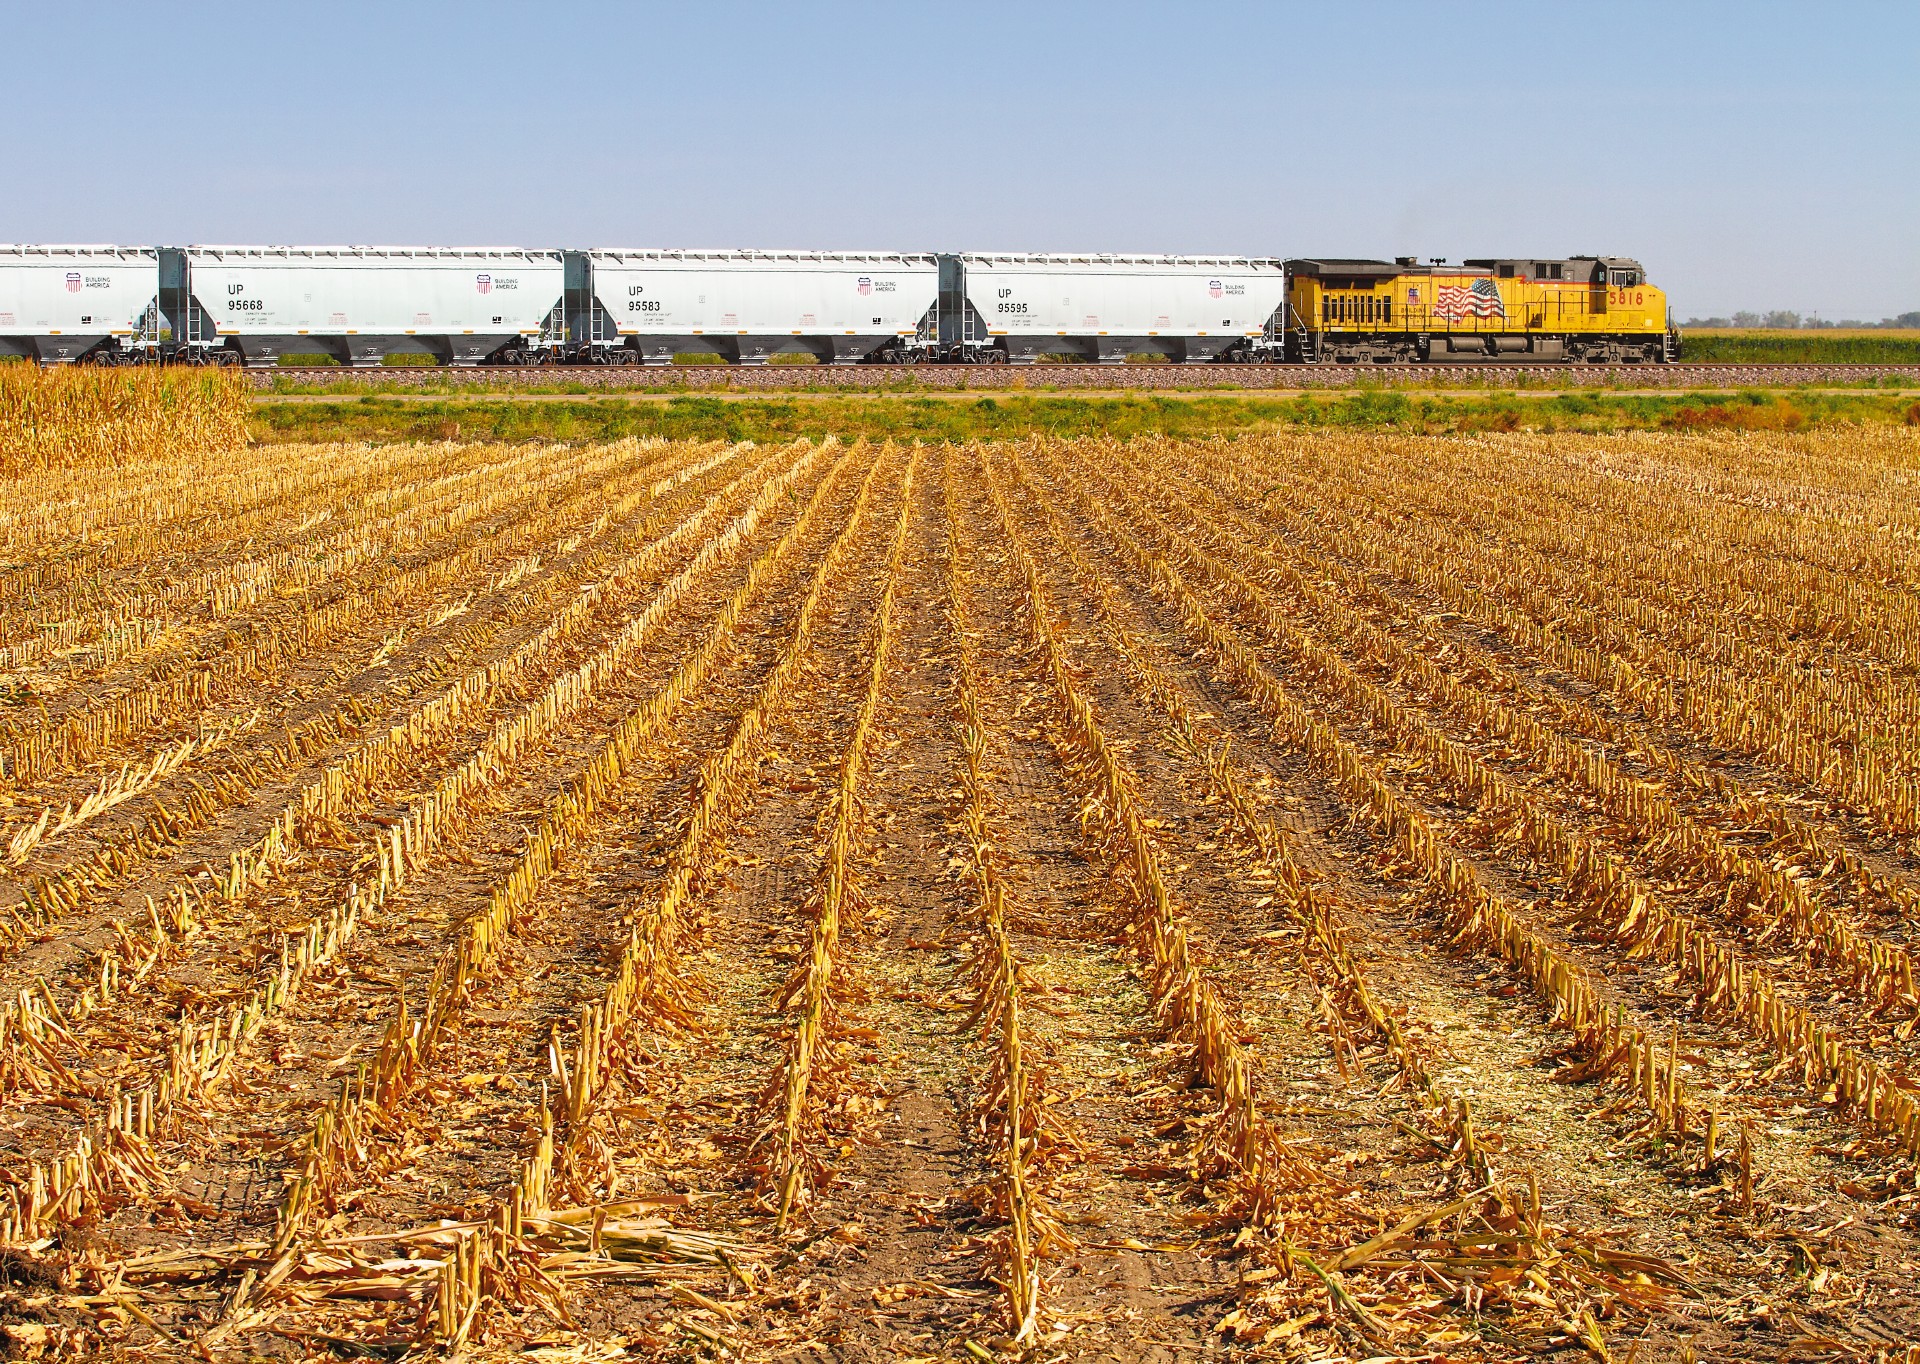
<point x="1753" y="155"/>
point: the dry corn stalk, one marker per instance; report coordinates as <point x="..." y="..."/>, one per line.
<point x="1270" y="1176"/>
<point x="219" y="662"/>
<point x="201" y="1054"/>
<point x="335" y="1145"/>
<point x="812" y="988"/>
<point x="1311" y="908"/>
<point x="1012" y="1108"/>
<point x="1882" y="972"/>
<point x="647" y="978"/>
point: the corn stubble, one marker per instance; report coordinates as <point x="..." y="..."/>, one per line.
<point x="1657" y="788"/>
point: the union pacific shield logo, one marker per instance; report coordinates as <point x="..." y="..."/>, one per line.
<point x="1213" y="288"/>
<point x="73" y="281"/>
<point x="864" y="285"/>
<point x="484" y="283"/>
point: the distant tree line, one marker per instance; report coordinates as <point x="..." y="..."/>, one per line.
<point x="1782" y="320"/>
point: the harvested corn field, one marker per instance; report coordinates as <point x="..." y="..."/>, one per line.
<point x="1320" y="897"/>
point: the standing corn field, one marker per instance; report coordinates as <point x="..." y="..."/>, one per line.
<point x="85" y="418"/>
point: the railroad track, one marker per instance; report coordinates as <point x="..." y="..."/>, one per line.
<point x="694" y="378"/>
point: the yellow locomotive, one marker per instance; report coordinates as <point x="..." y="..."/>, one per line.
<point x="1592" y="308"/>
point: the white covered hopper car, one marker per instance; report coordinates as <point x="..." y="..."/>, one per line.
<point x="359" y="304"/>
<point x="59" y="303"/>
<point x="1018" y="307"/>
<point x="843" y="307"/>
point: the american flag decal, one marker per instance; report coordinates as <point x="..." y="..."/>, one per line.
<point x="1481" y="300"/>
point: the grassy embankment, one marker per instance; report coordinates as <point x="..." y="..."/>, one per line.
<point x="1865" y="346"/>
<point x="957" y="417"/>
<point x="82" y="417"/>
<point x="1705" y="345"/>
